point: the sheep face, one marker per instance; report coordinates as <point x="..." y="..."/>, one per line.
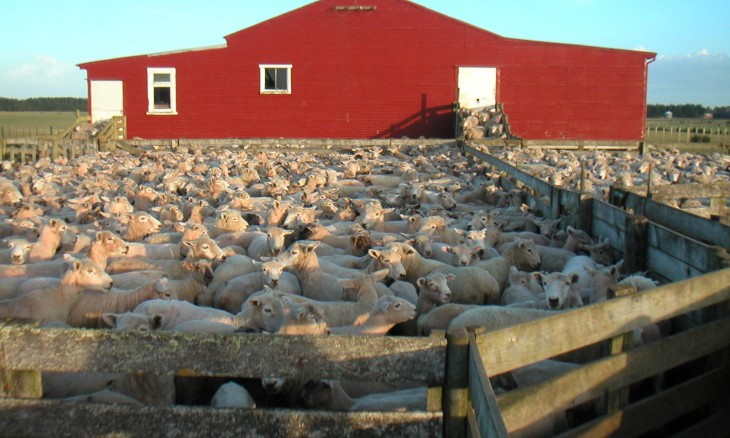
<point x="559" y="290"/>
<point x="435" y="288"/>
<point x="85" y="273"/>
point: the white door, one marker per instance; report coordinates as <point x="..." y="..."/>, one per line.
<point x="107" y="100"/>
<point x="477" y="86"/>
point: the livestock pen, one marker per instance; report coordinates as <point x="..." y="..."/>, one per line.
<point x="457" y="367"/>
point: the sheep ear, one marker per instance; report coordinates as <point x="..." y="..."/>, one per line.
<point x="99" y="235"/>
<point x="110" y="319"/>
<point x="224" y="216"/>
<point x="374" y="253"/>
<point x="619" y="264"/>
<point x="379" y="275"/>
<point x="450" y="277"/>
<point x="253" y="302"/>
<point x="188" y="243"/>
<point x="513" y="269"/>
<point x="421" y="282"/>
<point x="574" y="278"/>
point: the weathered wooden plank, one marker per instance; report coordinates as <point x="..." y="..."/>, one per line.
<point x="524" y="406"/>
<point x="669" y="267"/>
<point x="704" y="230"/>
<point x="72" y="419"/>
<point x="472" y="430"/>
<point x="655" y="411"/>
<point x="693" y="252"/>
<point x="635" y="243"/>
<point x="20" y="383"/>
<point x="384" y="359"/>
<point x="605" y="230"/>
<point x="712" y="426"/>
<point x="554" y="335"/>
<point x="605" y="212"/>
<point x="455" y="392"/>
<point x="716" y="189"/>
<point x="488" y="416"/>
<point x="619" y="398"/>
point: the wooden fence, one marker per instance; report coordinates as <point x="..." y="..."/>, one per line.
<point x="26" y="351"/>
<point x="679" y="248"/>
<point x="672" y="244"/>
<point x="522" y="409"/>
<point x="688" y="133"/>
<point x="457" y="368"/>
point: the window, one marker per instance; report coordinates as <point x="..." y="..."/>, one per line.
<point x="161" y="93"/>
<point x="275" y="79"/>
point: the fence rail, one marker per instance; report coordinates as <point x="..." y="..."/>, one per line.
<point x="27" y="351"/>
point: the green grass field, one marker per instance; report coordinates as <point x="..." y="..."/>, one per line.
<point x="32" y="123"/>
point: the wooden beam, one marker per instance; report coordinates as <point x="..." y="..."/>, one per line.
<point x="22" y="418"/>
<point x="635" y="243"/>
<point x="487" y="412"/>
<point x="554" y="335"/>
<point x="702" y="229"/>
<point x="455" y="392"/>
<point x="658" y="410"/>
<point x="378" y="359"/>
<point x="523" y="406"/>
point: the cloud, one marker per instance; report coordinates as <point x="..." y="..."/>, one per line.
<point x="44" y="76"/>
<point x="700" y="77"/>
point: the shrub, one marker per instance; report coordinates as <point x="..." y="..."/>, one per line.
<point x="699" y="138"/>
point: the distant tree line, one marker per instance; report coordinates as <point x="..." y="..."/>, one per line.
<point x="44" y="104"/>
<point x="687" y="110"/>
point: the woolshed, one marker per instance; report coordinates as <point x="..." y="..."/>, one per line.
<point x="348" y="69"/>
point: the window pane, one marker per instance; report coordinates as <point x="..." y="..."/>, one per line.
<point x="281" y="79"/>
<point x="162" y="98"/>
<point x="270" y="79"/>
<point x="161" y="77"/>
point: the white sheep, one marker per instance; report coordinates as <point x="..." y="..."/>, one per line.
<point x="387" y="312"/>
<point x="232" y="395"/>
<point x="268" y="244"/>
<point x="561" y="290"/>
<point x="17" y="251"/>
<point x="471" y="285"/>
<point x="496" y="317"/>
<point x="523" y="286"/>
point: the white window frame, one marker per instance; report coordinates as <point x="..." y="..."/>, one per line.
<point x="151" y="71"/>
<point x="262" y="75"/>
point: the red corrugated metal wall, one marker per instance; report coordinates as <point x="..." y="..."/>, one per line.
<point x="384" y="73"/>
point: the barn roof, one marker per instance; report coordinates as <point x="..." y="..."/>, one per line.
<point x="240" y="34"/>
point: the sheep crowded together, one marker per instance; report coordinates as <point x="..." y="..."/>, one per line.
<point x="605" y="169"/>
<point x="368" y="242"/>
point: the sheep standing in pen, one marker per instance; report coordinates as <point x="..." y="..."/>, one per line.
<point x="317" y="202"/>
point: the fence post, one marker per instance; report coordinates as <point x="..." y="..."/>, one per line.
<point x="619" y="398"/>
<point x="635" y="243"/>
<point x="18" y="383"/>
<point x="456" y="383"/>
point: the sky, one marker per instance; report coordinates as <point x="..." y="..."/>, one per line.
<point x="42" y="41"/>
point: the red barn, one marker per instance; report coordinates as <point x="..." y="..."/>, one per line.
<point x="380" y="69"/>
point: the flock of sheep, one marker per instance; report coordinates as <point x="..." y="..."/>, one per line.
<point x="625" y="169"/>
<point x="370" y="242"/>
